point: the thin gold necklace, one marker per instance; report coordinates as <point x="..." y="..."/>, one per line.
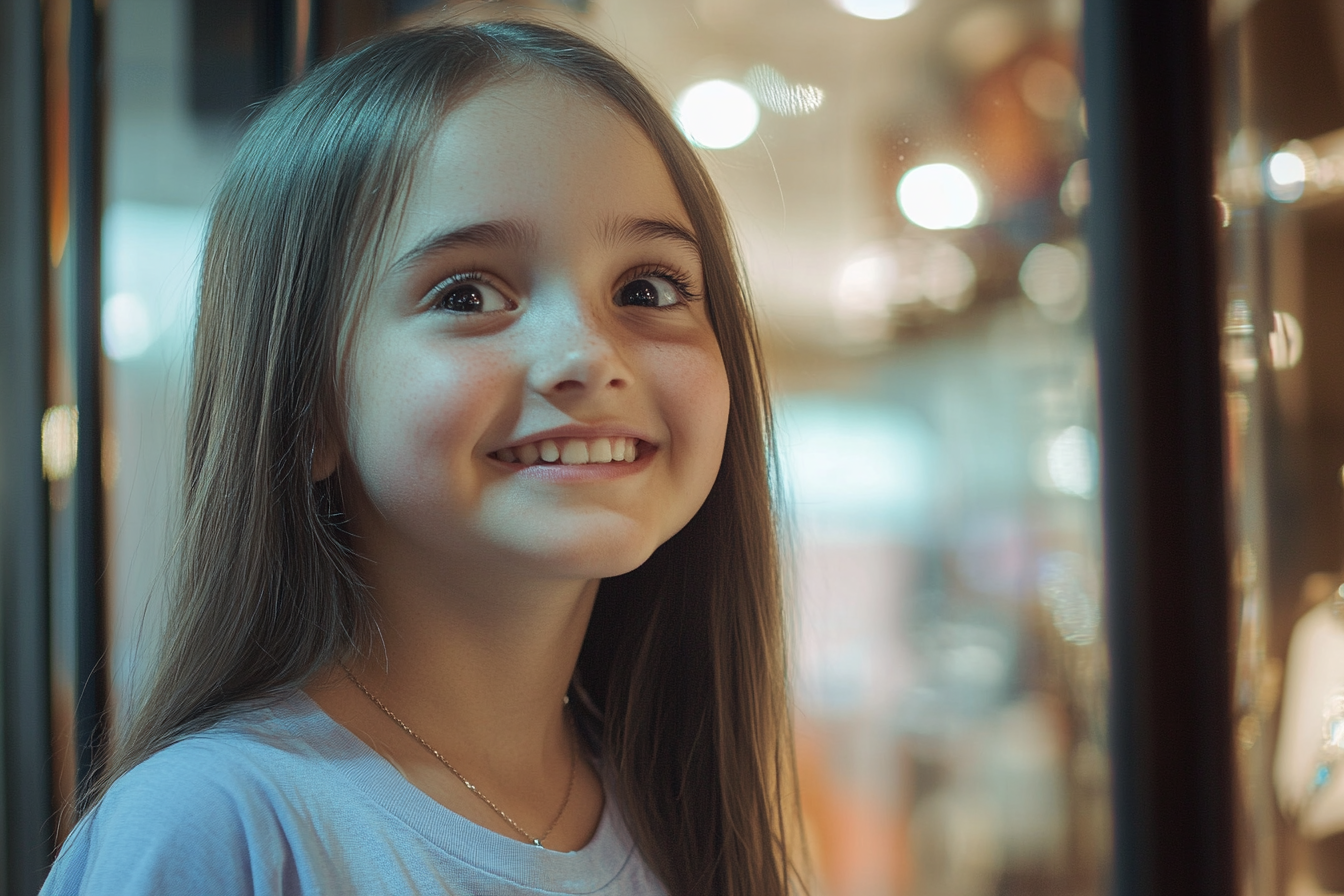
<point x="535" y="841"/>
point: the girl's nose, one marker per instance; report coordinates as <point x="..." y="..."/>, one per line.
<point x="575" y="356"/>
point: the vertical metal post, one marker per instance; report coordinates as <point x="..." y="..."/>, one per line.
<point x="26" y="835"/>
<point x="1151" y="235"/>
<point x="86" y="212"/>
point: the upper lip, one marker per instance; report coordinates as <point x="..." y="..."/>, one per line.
<point x="581" y="431"/>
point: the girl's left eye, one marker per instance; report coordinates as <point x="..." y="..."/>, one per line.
<point x="650" y="292"/>
<point x="466" y="295"/>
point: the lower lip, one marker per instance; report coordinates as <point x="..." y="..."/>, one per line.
<point x="558" y="472"/>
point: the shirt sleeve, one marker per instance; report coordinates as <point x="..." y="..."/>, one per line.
<point x="180" y="823"/>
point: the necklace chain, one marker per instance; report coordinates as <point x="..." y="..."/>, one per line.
<point x="535" y="841"/>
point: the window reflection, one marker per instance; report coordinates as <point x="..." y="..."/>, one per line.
<point x="1278" y="182"/>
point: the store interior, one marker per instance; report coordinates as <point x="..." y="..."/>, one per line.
<point x="908" y="185"/>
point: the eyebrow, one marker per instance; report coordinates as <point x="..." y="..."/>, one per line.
<point x="487" y="233"/>
<point x="631" y="229"/>
<point x="520" y="234"/>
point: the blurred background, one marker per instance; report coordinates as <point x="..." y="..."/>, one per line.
<point x="909" y="183"/>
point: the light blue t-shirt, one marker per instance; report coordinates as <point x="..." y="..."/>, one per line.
<point x="283" y="800"/>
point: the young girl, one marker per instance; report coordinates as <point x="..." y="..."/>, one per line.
<point x="478" y="585"/>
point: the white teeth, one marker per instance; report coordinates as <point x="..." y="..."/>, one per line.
<point x="572" y="451"/>
<point x="576" y="452"/>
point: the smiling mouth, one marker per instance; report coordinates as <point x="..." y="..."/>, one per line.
<point x="573" y="452"/>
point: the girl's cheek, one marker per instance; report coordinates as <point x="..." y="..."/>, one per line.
<point x="693" y="380"/>
<point x="414" y="412"/>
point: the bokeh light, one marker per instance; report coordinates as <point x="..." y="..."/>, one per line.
<point x="869" y="281"/>
<point x="1050" y="275"/>
<point x="985" y="37"/>
<point x="876" y="9"/>
<point x="60" y="441"/>
<point x="1067" y="586"/>
<point x="867" y="284"/>
<point x="1285" y="341"/>
<point x="938" y="196"/>
<point x="878" y="279"/>
<point x="1049" y="89"/>
<point x="1071" y="462"/>
<point x="717" y="114"/>
<point x="781" y="97"/>
<point x="947" y="276"/>
<point x="1076" y="191"/>
<point x="1285" y="176"/>
<point x="127" y="329"/>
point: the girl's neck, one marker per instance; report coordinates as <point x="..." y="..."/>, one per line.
<point x="485" y="669"/>
<point x="481" y="678"/>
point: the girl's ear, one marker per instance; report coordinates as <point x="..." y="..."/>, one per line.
<point x="325" y="458"/>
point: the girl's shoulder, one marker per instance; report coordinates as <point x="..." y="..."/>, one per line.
<point x="263" y="748"/>
<point x="216" y="807"/>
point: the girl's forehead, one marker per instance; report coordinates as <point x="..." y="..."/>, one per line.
<point x="533" y="146"/>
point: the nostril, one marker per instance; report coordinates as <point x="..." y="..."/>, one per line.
<point x="591" y="367"/>
<point x="571" y="385"/>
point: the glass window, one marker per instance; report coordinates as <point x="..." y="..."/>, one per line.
<point x="907" y="182"/>
<point x="1279" y="148"/>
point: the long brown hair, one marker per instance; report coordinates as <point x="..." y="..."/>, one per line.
<point x="684" y="656"/>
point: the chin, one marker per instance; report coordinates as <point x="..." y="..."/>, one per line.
<point x="592" y="554"/>
<point x="597" y="562"/>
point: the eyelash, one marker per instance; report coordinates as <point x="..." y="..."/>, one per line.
<point x="679" y="280"/>
<point x="445" y="285"/>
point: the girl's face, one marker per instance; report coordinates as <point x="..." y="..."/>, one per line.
<point x="543" y="296"/>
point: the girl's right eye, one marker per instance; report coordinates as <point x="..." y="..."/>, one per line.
<point x="466" y="294"/>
